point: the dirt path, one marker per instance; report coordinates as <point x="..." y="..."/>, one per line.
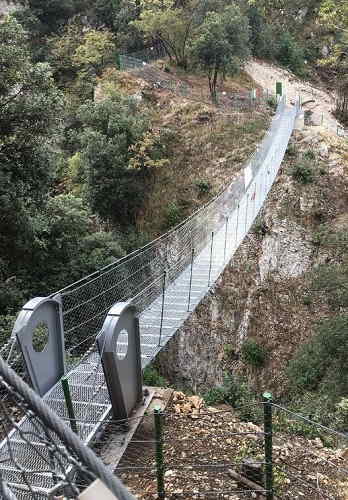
<point x="266" y="75"/>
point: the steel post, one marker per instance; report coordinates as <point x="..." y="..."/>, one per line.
<point x="162" y="309"/>
<point x="246" y="213"/>
<point x="237" y="223"/>
<point x="225" y="247"/>
<point x="211" y="257"/>
<point x="160" y="467"/>
<point x="268" y="434"/>
<point x="191" y="272"/>
<point x="69" y="405"/>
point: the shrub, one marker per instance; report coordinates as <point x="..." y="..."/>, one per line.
<point x="307" y="300"/>
<point x="290" y="54"/>
<point x="229" y="351"/>
<point x="203" y="187"/>
<point x="236" y="392"/>
<point x="292" y="150"/>
<point x="216" y="395"/>
<point x="272" y="102"/>
<point x="333" y="281"/>
<point x="173" y="215"/>
<point x="152" y="378"/>
<point x="303" y="173"/>
<point x="6" y="325"/>
<point x="253" y="353"/>
<point x="309" y="155"/>
<point x="321" y="363"/>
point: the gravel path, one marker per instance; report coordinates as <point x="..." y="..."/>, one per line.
<point x="267" y="74"/>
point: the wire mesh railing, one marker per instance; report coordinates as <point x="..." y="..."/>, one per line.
<point x="143" y="275"/>
<point x="40" y="456"/>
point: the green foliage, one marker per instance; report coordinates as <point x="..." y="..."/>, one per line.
<point x="170" y="23"/>
<point x="262" y="34"/>
<point x="152" y="378"/>
<point x="333" y="280"/>
<point x="236" y="392"/>
<point x="307" y="300"/>
<point x="321" y="363"/>
<point x="216" y="396"/>
<point x="173" y="215"/>
<point x="97" y="49"/>
<point x="292" y="150"/>
<point x="204" y="187"/>
<point x="110" y="128"/>
<point x="66" y="246"/>
<point x="290" y="54"/>
<point x="30" y="109"/>
<point x="6" y="325"/>
<point x="222" y="45"/>
<point x="229" y="350"/>
<point x="309" y="155"/>
<point x="303" y="172"/>
<point x="40" y="337"/>
<point x="272" y="102"/>
<point x="51" y="14"/>
<point x="253" y="353"/>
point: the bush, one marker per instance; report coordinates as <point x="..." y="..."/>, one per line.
<point x="333" y="281"/>
<point x="290" y="54"/>
<point x="292" y="150"/>
<point x="303" y="173"/>
<point x="272" y="102"/>
<point x="6" y="326"/>
<point x="321" y="363"/>
<point x="203" y="187"/>
<point x="253" y="353"/>
<point x="152" y="378"/>
<point x="173" y="215"/>
<point x="236" y="392"/>
<point x="309" y="155"/>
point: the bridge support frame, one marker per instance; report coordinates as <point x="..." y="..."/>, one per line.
<point x="119" y="347"/>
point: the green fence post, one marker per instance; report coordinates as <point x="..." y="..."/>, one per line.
<point x="160" y="468"/>
<point x="279" y="88"/>
<point x="69" y="405"/>
<point x="268" y="432"/>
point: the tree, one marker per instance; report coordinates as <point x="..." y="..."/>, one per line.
<point x="67" y="246"/>
<point x="51" y="14"/>
<point x="30" y="109"/>
<point x="97" y="49"/>
<point x="222" y="46"/>
<point x="170" y="24"/>
<point x="262" y="34"/>
<point x="110" y="128"/>
<point x="62" y="50"/>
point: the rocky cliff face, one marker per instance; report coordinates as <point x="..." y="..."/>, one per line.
<point x="264" y="293"/>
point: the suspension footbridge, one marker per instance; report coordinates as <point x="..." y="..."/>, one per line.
<point x="165" y="281"/>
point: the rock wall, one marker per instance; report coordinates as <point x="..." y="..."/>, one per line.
<point x="262" y="292"/>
